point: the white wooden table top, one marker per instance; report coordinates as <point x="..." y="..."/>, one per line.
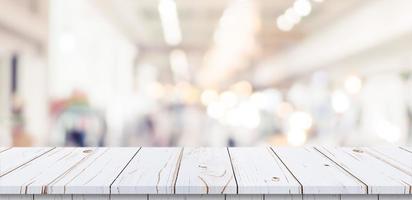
<point x="261" y="170"/>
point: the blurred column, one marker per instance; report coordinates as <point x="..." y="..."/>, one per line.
<point x="5" y="139"/>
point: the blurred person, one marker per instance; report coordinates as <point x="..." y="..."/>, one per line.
<point x="19" y="135"/>
<point x="77" y="123"/>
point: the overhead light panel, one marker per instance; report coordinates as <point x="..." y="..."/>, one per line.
<point x="170" y="22"/>
<point x="294" y="14"/>
<point x="302" y="7"/>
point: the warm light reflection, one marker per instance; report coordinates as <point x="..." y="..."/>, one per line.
<point x="243" y="88"/>
<point x="293" y="15"/>
<point x="209" y="96"/>
<point x="353" y="84"/>
<point x="157" y="90"/>
<point x="284" y="109"/>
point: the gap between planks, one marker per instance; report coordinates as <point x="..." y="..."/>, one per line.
<point x="137" y="152"/>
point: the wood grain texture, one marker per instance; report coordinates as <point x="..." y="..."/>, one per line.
<point x="13" y="158"/>
<point x="95" y="174"/>
<point x="316" y="173"/>
<point x="380" y="177"/>
<point x="152" y="171"/>
<point x="259" y="171"/>
<point x="33" y="177"/>
<point x="205" y="171"/>
<point x="395" y="156"/>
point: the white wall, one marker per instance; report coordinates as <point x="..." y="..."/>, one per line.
<point x="33" y="89"/>
<point x="89" y="53"/>
<point x="4" y="100"/>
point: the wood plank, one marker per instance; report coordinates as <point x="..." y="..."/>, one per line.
<point x="52" y="197"/>
<point x="380" y="177"/>
<point x="16" y="157"/>
<point x="316" y="173"/>
<point x="33" y="177"/>
<point x="259" y="171"/>
<point x="205" y="171"/>
<point x="15" y="197"/>
<point x="95" y="174"/>
<point x="152" y="171"/>
<point x="397" y="157"/>
<point x="186" y="197"/>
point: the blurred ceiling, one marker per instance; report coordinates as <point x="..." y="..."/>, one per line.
<point x="199" y="20"/>
<point x="23" y="23"/>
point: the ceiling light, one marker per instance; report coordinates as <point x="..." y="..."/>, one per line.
<point x="292" y="15"/>
<point x="302" y="7"/>
<point x="170" y="22"/>
<point x="284" y="24"/>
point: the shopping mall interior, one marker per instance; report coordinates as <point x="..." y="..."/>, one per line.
<point x="205" y="73"/>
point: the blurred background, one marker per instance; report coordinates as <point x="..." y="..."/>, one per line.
<point x="205" y="73"/>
